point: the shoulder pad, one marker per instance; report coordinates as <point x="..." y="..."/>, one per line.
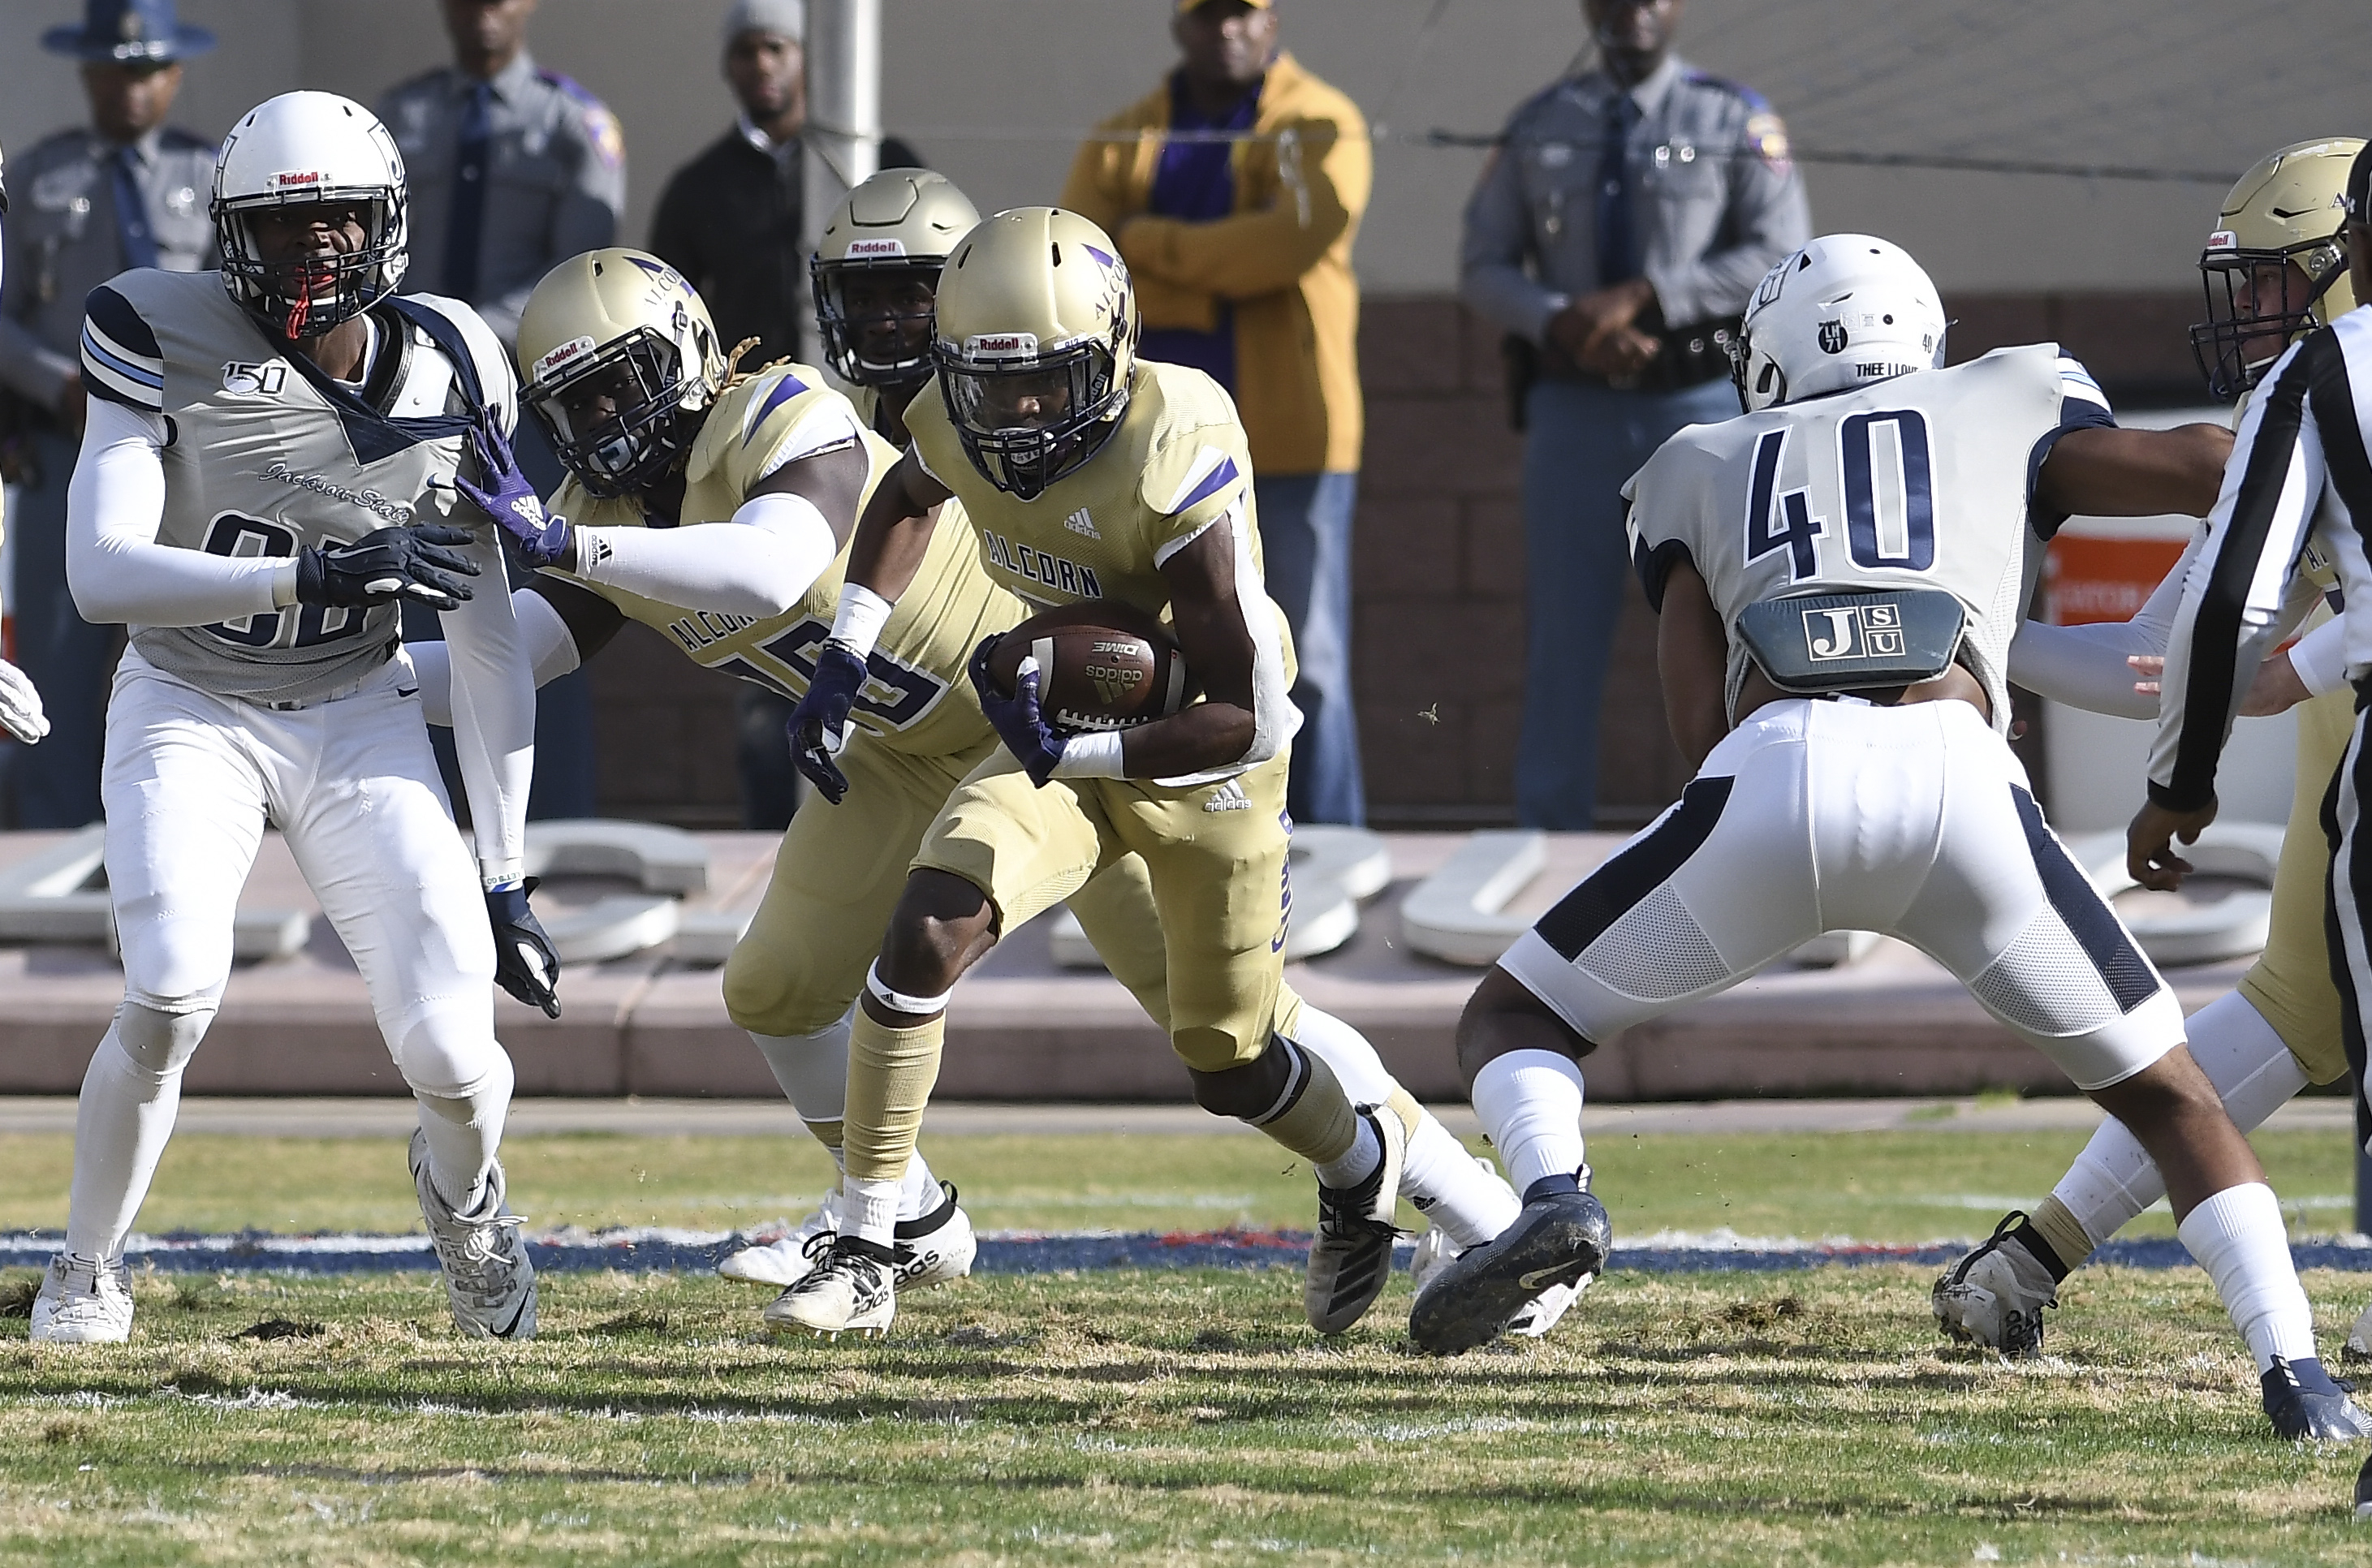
<point x="754" y="415"/>
<point x="495" y="375"/>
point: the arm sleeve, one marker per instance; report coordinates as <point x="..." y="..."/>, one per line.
<point x="493" y="715"/>
<point x="2233" y="594"/>
<point x="117" y="570"/>
<point x="551" y="653"/>
<point x="1494" y="243"/>
<point x="1768" y="217"/>
<point x="1325" y="168"/>
<point x="760" y="562"/>
<point x="2084" y="665"/>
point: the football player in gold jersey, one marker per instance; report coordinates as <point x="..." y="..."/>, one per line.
<point x="1084" y="474"/>
<point x="655" y="432"/>
<point x="2275" y="269"/>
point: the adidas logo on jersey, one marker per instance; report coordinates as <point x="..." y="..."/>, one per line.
<point x="1228" y="796"/>
<point x="1079" y="522"/>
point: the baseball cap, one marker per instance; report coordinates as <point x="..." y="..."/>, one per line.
<point x="787" y="18"/>
<point x="1186" y="5"/>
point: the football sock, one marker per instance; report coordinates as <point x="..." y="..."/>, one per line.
<point x="1312" y="1116"/>
<point x="813" y="1071"/>
<point x="2238" y="1237"/>
<point x="1457" y="1192"/>
<point x="129" y="1094"/>
<point x="1530" y="1101"/>
<point x="463" y="1135"/>
<point x="1356" y="1066"/>
<point x="918" y="1191"/>
<point x="890" y="1073"/>
<point x="1356" y="1162"/>
<point x="2114" y="1179"/>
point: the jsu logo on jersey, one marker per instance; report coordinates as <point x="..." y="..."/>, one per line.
<point x="251" y="380"/>
<point x="1853" y="631"/>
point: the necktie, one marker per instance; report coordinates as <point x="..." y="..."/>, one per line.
<point x="469" y="213"/>
<point x="1618" y="251"/>
<point x="131" y="212"/>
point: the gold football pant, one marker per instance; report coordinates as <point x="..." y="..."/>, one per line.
<point x="2290" y="984"/>
<point x="1215" y="859"/>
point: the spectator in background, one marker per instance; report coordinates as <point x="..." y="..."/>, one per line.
<point x="512" y="170"/>
<point x="1616" y="235"/>
<point x="1234" y="190"/>
<point x="732" y="220"/>
<point x="127" y="192"/>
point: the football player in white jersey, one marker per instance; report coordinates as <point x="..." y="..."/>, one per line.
<point x="1839" y="574"/>
<point x="2275" y="269"/>
<point x="265" y="477"/>
<point x="20" y="704"/>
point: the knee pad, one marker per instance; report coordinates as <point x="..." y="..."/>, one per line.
<point x="159" y="1042"/>
<point x="812" y="1068"/>
<point x="450" y="1054"/>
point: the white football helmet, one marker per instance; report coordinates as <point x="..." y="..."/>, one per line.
<point x="1845" y="310"/>
<point x="297" y="149"/>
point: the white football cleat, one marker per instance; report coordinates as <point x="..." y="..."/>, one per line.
<point x="2359" y="1338"/>
<point x="787" y="1260"/>
<point x="1539" y="1314"/>
<point x="851" y="1289"/>
<point x="934" y="1249"/>
<point x="489" y="1281"/>
<point x="1995" y="1297"/>
<point x="83" y="1301"/>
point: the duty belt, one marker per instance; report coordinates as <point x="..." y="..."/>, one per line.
<point x="1692" y="355"/>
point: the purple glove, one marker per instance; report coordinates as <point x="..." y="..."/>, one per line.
<point x="819" y="724"/>
<point x="509" y="498"/>
<point x="1018" y="718"/>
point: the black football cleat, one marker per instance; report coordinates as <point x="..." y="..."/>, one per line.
<point x="2299" y="1412"/>
<point x="1560" y="1239"/>
<point x="2363" y="1493"/>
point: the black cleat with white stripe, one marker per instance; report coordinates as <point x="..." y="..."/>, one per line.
<point x="1560" y="1238"/>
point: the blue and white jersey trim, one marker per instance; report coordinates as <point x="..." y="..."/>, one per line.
<point x="2075" y="384"/>
<point x="121" y="360"/>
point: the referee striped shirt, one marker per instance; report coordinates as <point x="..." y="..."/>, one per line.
<point x="2300" y="460"/>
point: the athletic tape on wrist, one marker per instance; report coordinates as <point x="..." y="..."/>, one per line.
<point x="1094" y="755"/>
<point x="857" y="625"/>
<point x="898" y="1001"/>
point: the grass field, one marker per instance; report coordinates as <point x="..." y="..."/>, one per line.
<point x="1154" y="1416"/>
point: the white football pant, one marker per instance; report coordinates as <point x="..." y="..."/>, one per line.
<point x="190" y="781"/>
<point x="1818" y="816"/>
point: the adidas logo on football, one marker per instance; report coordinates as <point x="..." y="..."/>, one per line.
<point x="1079" y="522"/>
<point x="1228" y="796"/>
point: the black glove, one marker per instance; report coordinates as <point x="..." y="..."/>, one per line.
<point x="525" y="963"/>
<point x="819" y="724"/>
<point x="391" y="565"/>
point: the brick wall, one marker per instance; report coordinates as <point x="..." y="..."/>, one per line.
<point x="1439" y="581"/>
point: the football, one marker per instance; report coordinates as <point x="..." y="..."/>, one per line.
<point x="1102" y="665"/>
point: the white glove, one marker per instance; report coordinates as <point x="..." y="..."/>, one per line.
<point x="20" y="706"/>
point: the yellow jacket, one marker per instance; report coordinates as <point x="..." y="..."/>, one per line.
<point x="1282" y="259"/>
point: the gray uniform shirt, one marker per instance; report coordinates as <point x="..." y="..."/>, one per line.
<point x="268" y="457"/>
<point x="1715" y="202"/>
<point x="557" y="180"/>
<point x="1924" y="480"/>
<point x="63" y="240"/>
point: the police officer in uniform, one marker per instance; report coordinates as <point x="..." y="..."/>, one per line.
<point x="1616" y="236"/>
<point x="513" y="169"/>
<point x="128" y="191"/>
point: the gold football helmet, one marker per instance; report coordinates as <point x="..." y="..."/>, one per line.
<point x="620" y="361"/>
<point x="1035" y="345"/>
<point x="2275" y="268"/>
<point x="876" y="269"/>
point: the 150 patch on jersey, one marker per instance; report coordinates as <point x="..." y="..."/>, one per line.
<point x="250" y="379"/>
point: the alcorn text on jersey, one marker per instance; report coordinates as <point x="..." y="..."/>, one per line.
<point x="1924" y="481"/>
<point x="918" y="700"/>
<point x="1177" y="464"/>
<point x="269" y="455"/>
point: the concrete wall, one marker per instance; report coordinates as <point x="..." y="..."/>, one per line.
<point x="996" y="92"/>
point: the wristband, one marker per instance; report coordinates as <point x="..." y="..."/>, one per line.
<point x="856" y="626"/>
<point x="495" y="876"/>
<point x="1094" y="755"/>
<point x="284" y="584"/>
